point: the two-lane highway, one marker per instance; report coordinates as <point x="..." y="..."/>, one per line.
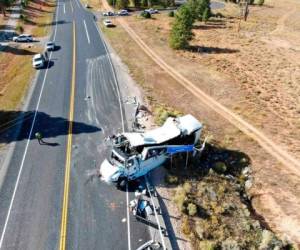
<point x="47" y="200"/>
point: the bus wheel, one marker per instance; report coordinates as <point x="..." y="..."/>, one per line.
<point x="122" y="183"/>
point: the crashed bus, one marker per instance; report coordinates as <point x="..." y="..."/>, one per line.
<point x="135" y="154"/>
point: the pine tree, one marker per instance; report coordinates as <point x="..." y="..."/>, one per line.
<point x="122" y="4"/>
<point x="5" y="4"/>
<point x="181" y="32"/>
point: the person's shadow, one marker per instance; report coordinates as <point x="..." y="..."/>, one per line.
<point x="52" y="144"/>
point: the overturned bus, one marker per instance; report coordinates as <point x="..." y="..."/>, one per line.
<point x="135" y="154"/>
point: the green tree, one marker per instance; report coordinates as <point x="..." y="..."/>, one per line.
<point x="137" y="3"/>
<point x="5" y="4"/>
<point x="261" y="2"/>
<point x="144" y="3"/>
<point x="200" y="8"/>
<point x="181" y="32"/>
<point x="205" y="15"/>
<point x="122" y="4"/>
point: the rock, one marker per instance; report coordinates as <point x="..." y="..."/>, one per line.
<point x="269" y="241"/>
<point x="207" y="245"/>
<point x="256" y="225"/>
<point x="200" y="232"/>
<point x="230" y="244"/>
<point x="246" y="172"/>
<point x="211" y="172"/>
<point x="246" y="212"/>
<point x="212" y="194"/>
<point x="248" y="184"/>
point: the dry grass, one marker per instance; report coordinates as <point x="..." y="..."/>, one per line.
<point x="94" y="4"/>
<point x="38" y="17"/>
<point x="16" y="71"/>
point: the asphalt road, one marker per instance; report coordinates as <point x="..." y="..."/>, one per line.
<point x="75" y="105"/>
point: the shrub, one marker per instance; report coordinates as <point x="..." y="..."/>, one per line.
<point x="185" y="226"/>
<point x="181" y="32"/>
<point x="171" y="14"/>
<point x="20" y="28"/>
<point x="192" y="209"/>
<point x="187" y="187"/>
<point x="205" y="15"/>
<point x="179" y="198"/>
<point x="146" y="14"/>
<point x="220" y="167"/>
<point x="171" y="179"/>
<point x="261" y="2"/>
<point x="219" y="15"/>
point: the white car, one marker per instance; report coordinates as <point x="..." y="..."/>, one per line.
<point x="152" y="11"/>
<point x="38" y="61"/>
<point x="123" y="13"/>
<point x="50" y="46"/>
<point x="108" y="23"/>
<point x="109" y="13"/>
<point x="23" y="38"/>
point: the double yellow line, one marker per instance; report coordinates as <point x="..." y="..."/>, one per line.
<point x="64" y="216"/>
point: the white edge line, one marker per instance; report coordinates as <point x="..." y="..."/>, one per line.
<point x="123" y="128"/>
<point x="156" y="216"/>
<point x="128" y="218"/>
<point x="86" y="31"/>
<point x="27" y="144"/>
<point x="77" y="3"/>
<point x="64" y="8"/>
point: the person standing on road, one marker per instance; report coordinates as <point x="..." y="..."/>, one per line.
<point x="39" y="137"/>
<point x="46" y="56"/>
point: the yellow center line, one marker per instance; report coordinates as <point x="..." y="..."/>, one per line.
<point x="64" y="216"/>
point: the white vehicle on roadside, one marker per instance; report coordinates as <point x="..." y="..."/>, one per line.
<point x="109" y="13"/>
<point x="108" y="23"/>
<point x="50" y="46"/>
<point x="123" y="13"/>
<point x="135" y="154"/>
<point x="38" y="61"/>
<point x="23" y="38"/>
<point x="151" y="11"/>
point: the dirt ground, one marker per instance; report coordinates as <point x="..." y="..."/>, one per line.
<point x="254" y="72"/>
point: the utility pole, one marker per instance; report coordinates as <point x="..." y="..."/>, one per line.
<point x="244" y="12"/>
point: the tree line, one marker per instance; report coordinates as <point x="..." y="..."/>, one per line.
<point x="187" y="14"/>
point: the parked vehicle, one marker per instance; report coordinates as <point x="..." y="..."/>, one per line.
<point x="108" y="23"/>
<point x="38" y="61"/>
<point x="23" y="38"/>
<point x="109" y="13"/>
<point x="135" y="154"/>
<point x="50" y="46"/>
<point x="123" y="13"/>
<point x="151" y="11"/>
